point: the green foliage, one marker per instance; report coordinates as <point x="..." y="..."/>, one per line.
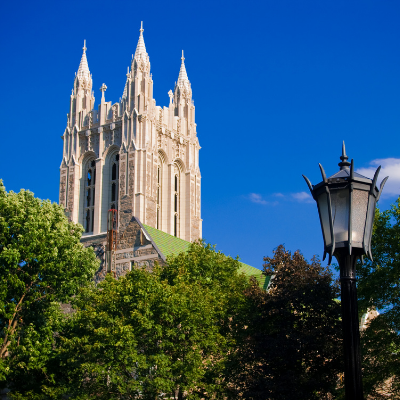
<point x="379" y="280"/>
<point x="292" y="347"/>
<point x="166" y="331"/>
<point x="379" y="288"/>
<point x="381" y="347"/>
<point x="42" y="263"/>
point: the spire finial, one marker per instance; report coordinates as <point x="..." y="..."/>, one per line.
<point x="141" y="52"/>
<point x="183" y="80"/>
<point x="344" y="163"/>
<point x="103" y="89"/>
<point x="83" y="73"/>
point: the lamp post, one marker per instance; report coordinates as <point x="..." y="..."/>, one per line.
<point x="346" y="205"/>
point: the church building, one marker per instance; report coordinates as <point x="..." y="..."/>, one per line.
<point x="137" y="158"/>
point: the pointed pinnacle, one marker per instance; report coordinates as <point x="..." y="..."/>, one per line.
<point x="141" y="27"/>
<point x="183" y="79"/>
<point x="141" y="48"/>
<point x="83" y="70"/>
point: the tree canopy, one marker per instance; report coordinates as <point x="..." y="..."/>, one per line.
<point x="194" y="328"/>
<point x="293" y="347"/>
<point x="42" y="263"/>
<point x="379" y="289"/>
<point x="148" y="333"/>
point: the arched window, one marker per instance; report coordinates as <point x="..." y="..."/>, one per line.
<point x="90" y="195"/>
<point x="114" y="182"/>
<point x="176" y="200"/>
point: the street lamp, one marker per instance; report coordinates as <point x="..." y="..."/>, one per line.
<point x="346" y="205"/>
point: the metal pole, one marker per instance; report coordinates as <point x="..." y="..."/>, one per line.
<point x="351" y="332"/>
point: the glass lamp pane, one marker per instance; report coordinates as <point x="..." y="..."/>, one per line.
<point x="358" y="216"/>
<point x="340" y="214"/>
<point x="324" y="216"/>
<point x="370" y="220"/>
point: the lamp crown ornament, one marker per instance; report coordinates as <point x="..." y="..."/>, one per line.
<point x="344" y="163"/>
<point x="346" y="205"/>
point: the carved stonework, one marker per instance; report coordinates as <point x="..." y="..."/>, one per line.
<point x="63" y="182"/>
<point x="165" y="145"/>
<point x="83" y="144"/>
<point x="117" y="137"/>
<point x="131" y="181"/>
<point x="107" y="139"/>
<point x="90" y="142"/>
<point x="70" y="193"/>
<point x="122" y="176"/>
<point x="148" y="178"/>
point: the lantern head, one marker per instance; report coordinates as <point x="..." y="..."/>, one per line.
<point x="346" y="205"/>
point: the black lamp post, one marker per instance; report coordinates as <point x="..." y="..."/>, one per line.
<point x="346" y="205"/>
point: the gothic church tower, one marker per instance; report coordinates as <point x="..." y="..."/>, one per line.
<point x="133" y="156"/>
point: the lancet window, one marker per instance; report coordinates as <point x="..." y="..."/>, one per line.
<point x="114" y="182"/>
<point x="159" y="175"/>
<point x="90" y="195"/>
<point x="176" y="201"/>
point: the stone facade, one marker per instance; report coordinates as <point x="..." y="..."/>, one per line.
<point x="135" y="249"/>
<point x="133" y="156"/>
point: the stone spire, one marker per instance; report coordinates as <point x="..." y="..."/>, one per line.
<point x="141" y="53"/>
<point x="83" y="71"/>
<point x="183" y="80"/>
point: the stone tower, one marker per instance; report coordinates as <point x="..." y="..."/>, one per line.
<point x="133" y="156"/>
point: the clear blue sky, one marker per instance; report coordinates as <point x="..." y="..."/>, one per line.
<point x="277" y="86"/>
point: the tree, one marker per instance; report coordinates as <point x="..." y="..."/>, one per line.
<point x="379" y="288"/>
<point x="148" y="333"/>
<point x="379" y="280"/>
<point x="293" y="348"/>
<point x="42" y="263"/>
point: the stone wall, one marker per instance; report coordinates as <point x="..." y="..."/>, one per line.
<point x="134" y="250"/>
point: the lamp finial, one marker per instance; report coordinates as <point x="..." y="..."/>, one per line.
<point x="344" y="163"/>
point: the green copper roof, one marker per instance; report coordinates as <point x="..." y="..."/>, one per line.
<point x="170" y="245"/>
